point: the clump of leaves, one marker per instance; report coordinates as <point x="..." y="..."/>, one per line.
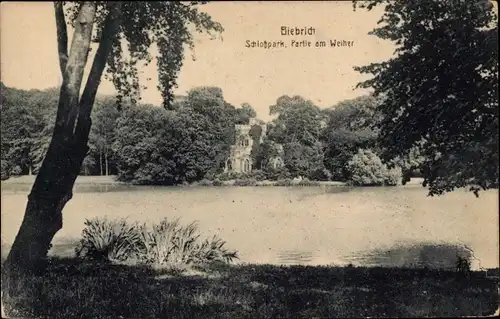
<point x="108" y="240"/>
<point x="447" y="107"/>
<point x="169" y="242"/>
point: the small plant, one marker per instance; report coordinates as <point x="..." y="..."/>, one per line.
<point x="171" y="243"/>
<point x="463" y="266"/>
<point x="213" y="250"/>
<point x="108" y="240"/>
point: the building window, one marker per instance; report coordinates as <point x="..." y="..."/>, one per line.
<point x="244" y="142"/>
<point x="229" y="164"/>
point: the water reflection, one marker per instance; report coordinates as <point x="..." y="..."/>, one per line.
<point x="21" y="188"/>
<point x="292" y="257"/>
<point x="430" y="255"/>
<point x="292" y="225"/>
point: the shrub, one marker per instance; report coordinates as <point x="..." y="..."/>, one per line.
<point x="245" y="182"/>
<point x="5" y="169"/>
<point x="394" y="176"/>
<point x="321" y="175"/>
<point x="165" y="243"/>
<point x="258" y="175"/>
<point x="275" y="174"/>
<point x="205" y="182"/>
<point x="366" y="169"/>
<point x="284" y="182"/>
<point x="171" y="243"/>
<point x="108" y="240"/>
<point x="217" y="182"/>
<point x="16" y="171"/>
<point x="227" y="176"/>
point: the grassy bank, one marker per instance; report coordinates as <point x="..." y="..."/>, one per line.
<point x="75" y="289"/>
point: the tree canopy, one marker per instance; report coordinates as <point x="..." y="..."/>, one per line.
<point x="440" y="91"/>
<point x="351" y="125"/>
<point x="166" y="147"/>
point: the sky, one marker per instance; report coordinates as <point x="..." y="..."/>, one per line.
<point x="253" y="75"/>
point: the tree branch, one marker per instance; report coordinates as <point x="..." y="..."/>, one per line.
<point x="62" y="36"/>
<point x="87" y="100"/>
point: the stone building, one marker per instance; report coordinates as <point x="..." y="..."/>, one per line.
<point x="240" y="159"/>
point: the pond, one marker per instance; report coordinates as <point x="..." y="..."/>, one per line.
<point x="295" y="225"/>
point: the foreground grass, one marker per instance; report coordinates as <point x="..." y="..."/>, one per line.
<point x="76" y="289"/>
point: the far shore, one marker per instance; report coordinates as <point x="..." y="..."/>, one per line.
<point x="111" y="180"/>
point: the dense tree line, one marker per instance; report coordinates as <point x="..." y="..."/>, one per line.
<point x="158" y="146"/>
<point x="189" y="141"/>
<point x="27" y="123"/>
<point x="142" y="144"/>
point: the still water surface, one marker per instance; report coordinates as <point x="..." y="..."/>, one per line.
<point x="295" y="225"/>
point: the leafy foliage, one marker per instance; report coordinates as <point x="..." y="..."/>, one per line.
<point x="298" y="127"/>
<point x="167" y="242"/>
<point x="296" y="122"/>
<point x="366" y="169"/>
<point x="448" y="105"/>
<point x="108" y="240"/>
<point x="103" y="133"/>
<point x="245" y="182"/>
<point x="244" y="113"/>
<point x="157" y="146"/>
<point x="302" y="160"/>
<point x="166" y="25"/>
<point x="171" y="243"/>
<point x="26" y="124"/>
<point x="351" y="125"/>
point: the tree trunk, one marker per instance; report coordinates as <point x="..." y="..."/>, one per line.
<point x="54" y="183"/>
<point x="68" y="147"/>
<point x="106" y="160"/>
<point x="100" y="162"/>
<point x="43" y="215"/>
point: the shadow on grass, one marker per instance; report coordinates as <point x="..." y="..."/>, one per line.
<point x="73" y="288"/>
